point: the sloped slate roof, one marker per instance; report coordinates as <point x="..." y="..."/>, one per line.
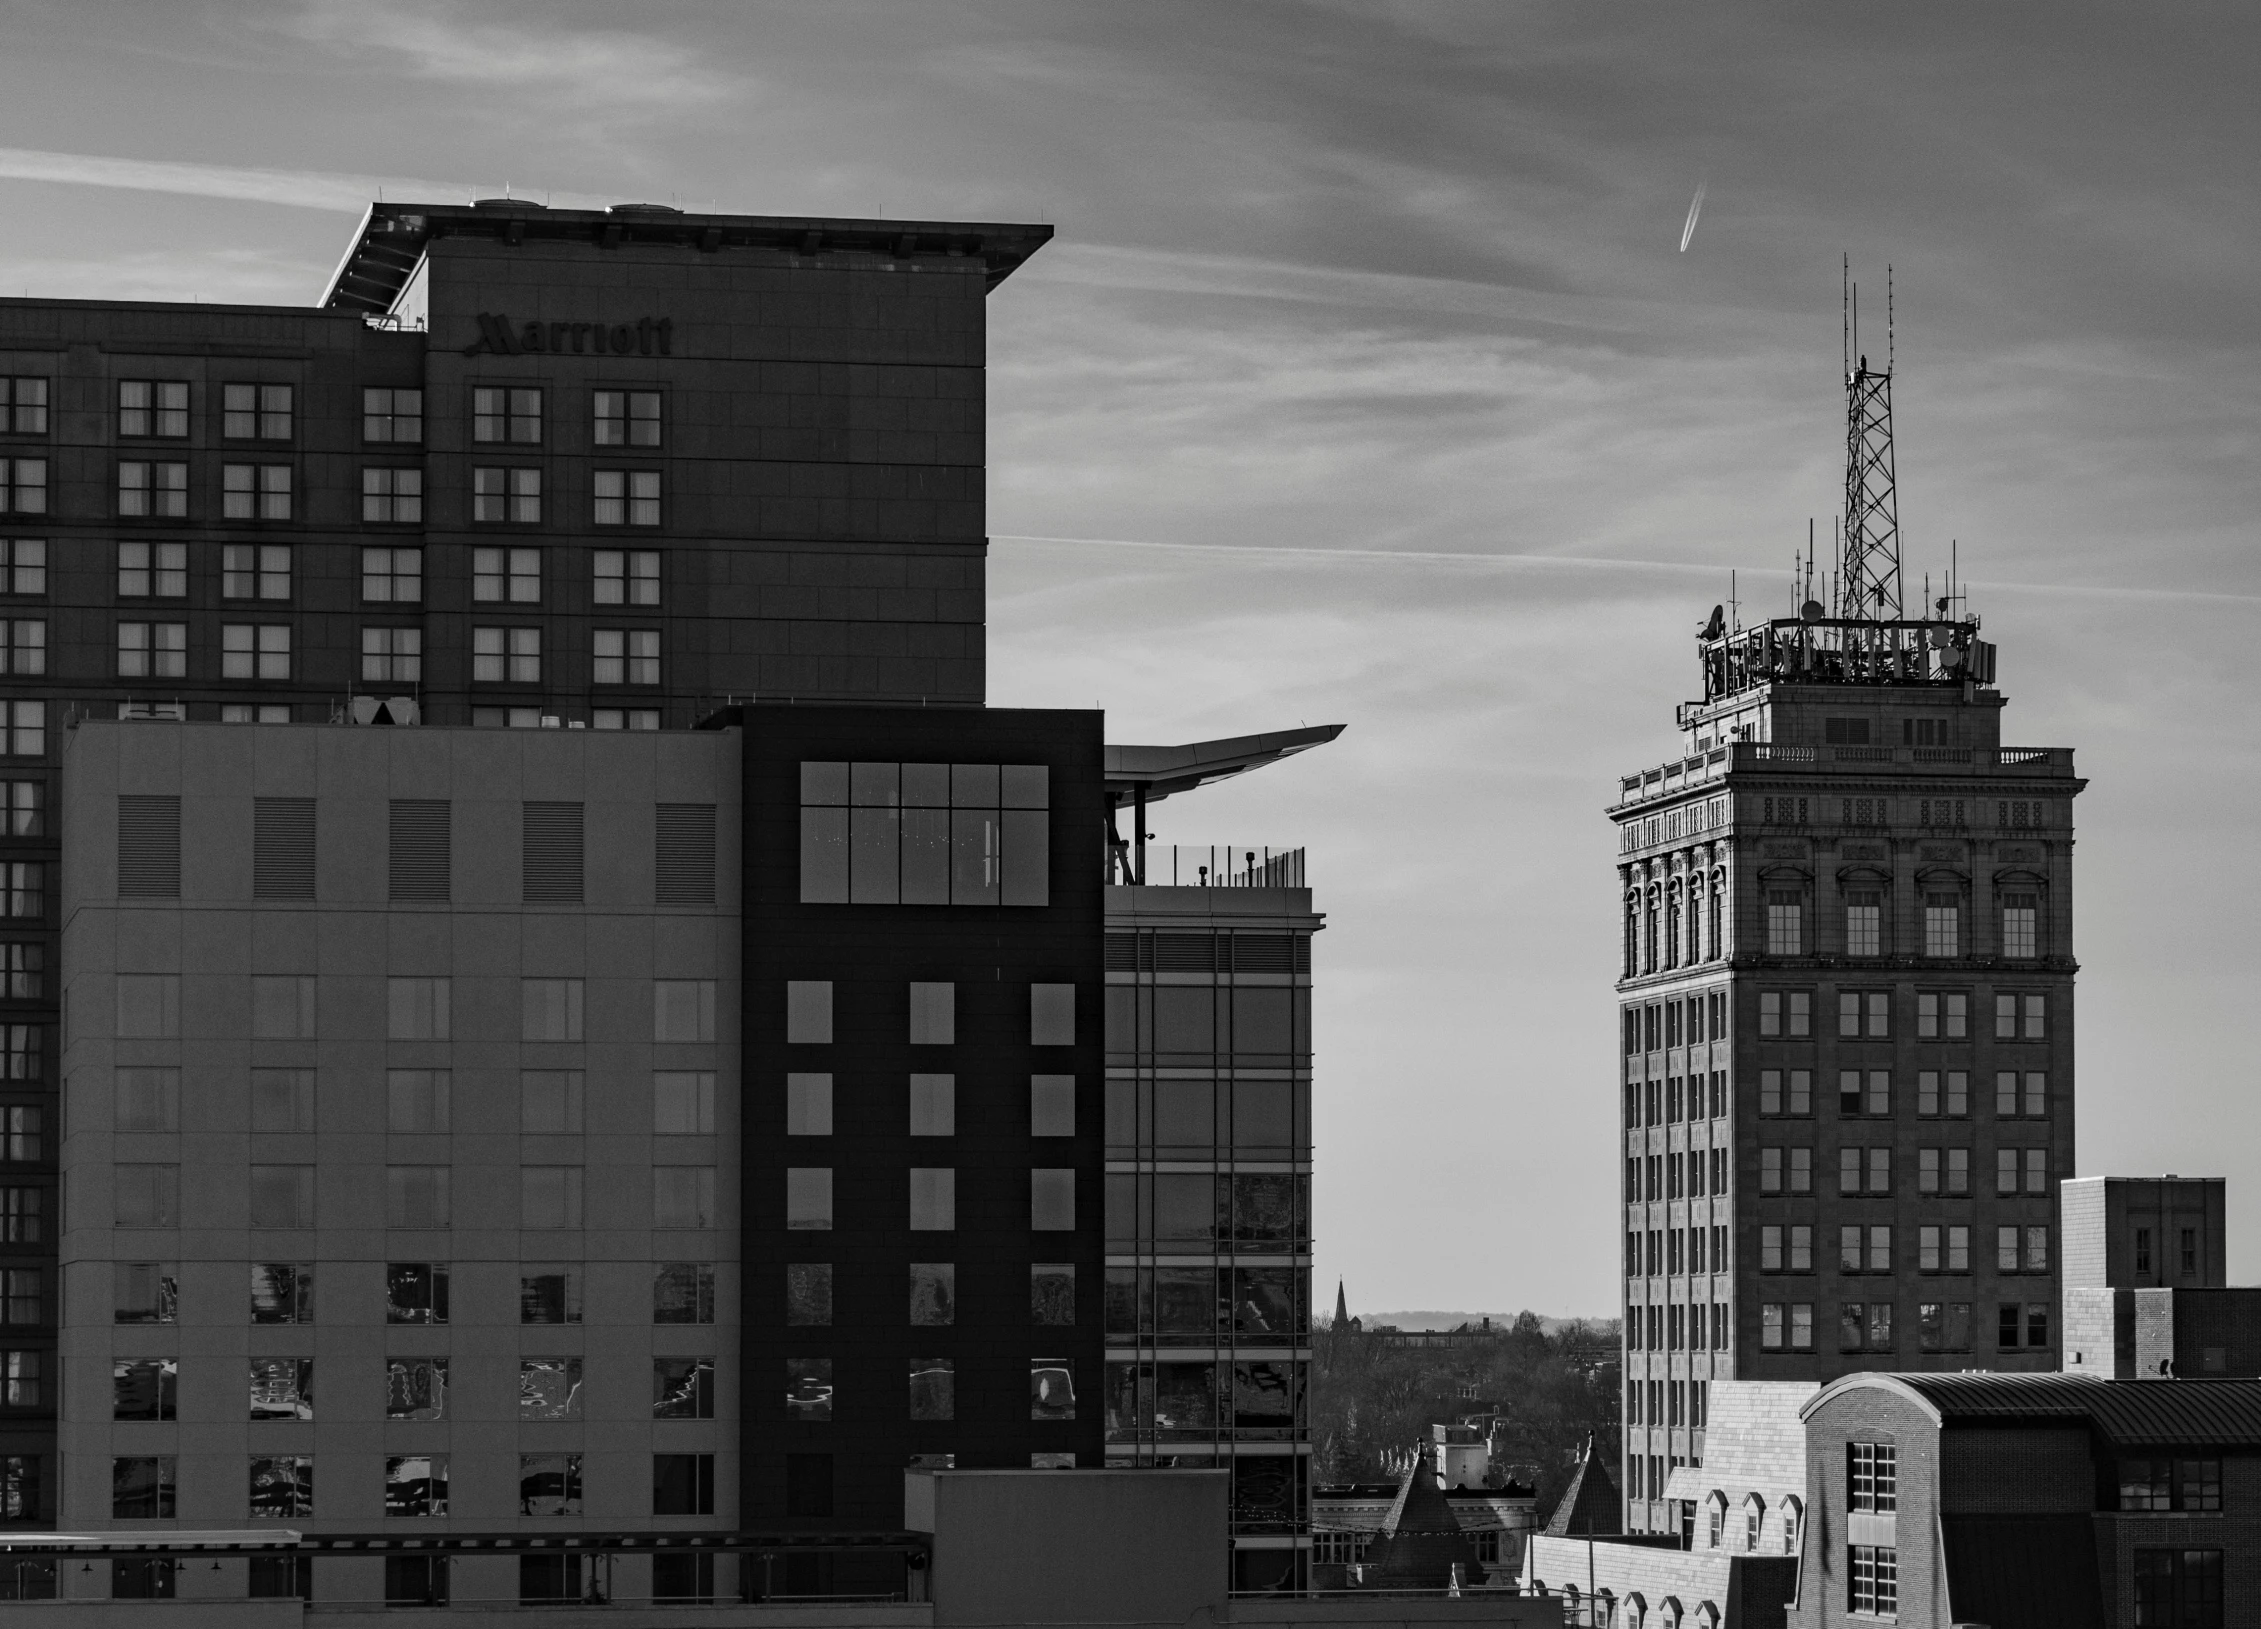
<point x="1421" y="1540"/>
<point x="2188" y="1413"/>
<point x="1590" y="1506"/>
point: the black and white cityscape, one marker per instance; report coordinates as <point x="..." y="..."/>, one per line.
<point x="1182" y="815"/>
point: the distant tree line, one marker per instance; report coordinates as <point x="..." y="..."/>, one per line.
<point x="1371" y="1399"/>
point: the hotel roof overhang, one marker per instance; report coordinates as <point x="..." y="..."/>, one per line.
<point x="392" y="238"/>
<point x="1150" y="774"/>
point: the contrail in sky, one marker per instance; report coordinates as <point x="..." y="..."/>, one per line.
<point x="1694" y="209"/>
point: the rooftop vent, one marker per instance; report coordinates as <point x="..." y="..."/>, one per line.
<point x="643" y="209"/>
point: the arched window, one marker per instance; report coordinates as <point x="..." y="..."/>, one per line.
<point x="1649" y="932"/>
<point x="1696" y="919"/>
<point x="2021" y="920"/>
<point x="1754" y="1518"/>
<point x="1672" y="926"/>
<point x="1793" y="1518"/>
<point x="1718" y="913"/>
<point x="1632" y="933"/>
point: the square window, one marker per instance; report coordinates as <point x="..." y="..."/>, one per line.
<point x="392" y="415"/>
<point x="627" y="418"/>
<point x="683" y="1103"/>
<point x="152" y="407"/>
<point x="683" y="1196"/>
<point x="392" y="576"/>
<point x="683" y="1293"/>
<point x="415" y="1485"/>
<point x="499" y="414"/>
<point x="550" y="1293"/>
<point x="627" y="577"/>
<point x="625" y="497"/>
<point x="683" y="1388"/>
<point x="550" y="1196"/>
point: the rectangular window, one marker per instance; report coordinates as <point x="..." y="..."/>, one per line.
<point x="255" y="491"/>
<point x="506" y="415"/>
<point x="282" y="1007"/>
<point x="142" y="1489"/>
<point x="1874" y="1582"/>
<point x="416" y="1008"/>
<point x="549" y="1388"/>
<point x="934" y="1105"/>
<point x="683" y="1102"/>
<point x="23" y="406"/>
<point x="506" y="496"/>
<point x="683" y="1196"/>
<point x="281" y="1100"/>
<point x="144" y="1388"/>
<point x="2020" y="912"/>
<point x="506" y="655"/>
<point x="1942" y="925"/>
<point x="282" y="1292"/>
<point x="152" y="407"/>
<point x="1942" y="1015"/>
<point x="627" y="418"/>
<point x="23" y="565"/>
<point x="808" y="1105"/>
<point x="1052" y="1200"/>
<point x="255" y="571"/>
<point x="550" y="1009"/>
<point x="146" y="491"/>
<point x="808" y="1011"/>
<point x="548" y="1485"/>
<point x="507" y="576"/>
<point x="683" y="1010"/>
<point x="249" y="651"/>
<point x="392" y="655"/>
<point x="550" y="1196"/>
<point x="282" y="1388"/>
<point x="925" y="834"/>
<point x="21" y="1301"/>
<point x="416" y="1292"/>
<point x="22" y="1215"/>
<point x="624" y="656"/>
<point x="683" y="1484"/>
<point x="23" y="645"/>
<point x="145" y="1292"/>
<point x="392" y="497"/>
<point x="1785" y="935"/>
<point x="683" y="1293"/>
<point x="19" y="1379"/>
<point x="625" y="497"/>
<point x="152" y="650"/>
<point x="417" y="1101"/>
<point x="392" y="416"/>
<point x="152" y="571"/>
<point x="282" y="1196"/>
<point x="255" y="412"/>
<point x="808" y="1198"/>
<point x="23" y="734"/>
<point x="808" y="1389"/>
<point x="629" y="718"/>
<point x="1864" y="923"/>
<point x="416" y="1485"/>
<point x="808" y="1294"/>
<point x="683" y="1388"/>
<point x="23" y="486"/>
<point x="1052" y="1107"/>
<point x="933" y="1199"/>
<point x="549" y="1293"/>
<point x="146" y="1195"/>
<point x="20" y="1123"/>
<point x="627" y="577"/>
<point x="392" y="576"/>
<point x="417" y="1196"/>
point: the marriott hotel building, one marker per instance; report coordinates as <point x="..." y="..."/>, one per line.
<point x="553" y="1045"/>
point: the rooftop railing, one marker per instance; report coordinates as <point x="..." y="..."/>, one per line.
<point x="1173" y="865"/>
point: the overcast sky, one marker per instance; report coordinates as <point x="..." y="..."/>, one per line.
<point x="1367" y="381"/>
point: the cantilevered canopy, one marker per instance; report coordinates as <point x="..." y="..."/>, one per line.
<point x="1157" y="772"/>
<point x="392" y="237"/>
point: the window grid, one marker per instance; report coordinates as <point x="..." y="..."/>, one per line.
<point x="153" y="408"/>
<point x="392" y="415"/>
<point x="625" y="656"/>
<point x="255" y="491"/>
<point x="255" y="412"/>
<point x="152" y="491"/>
<point x="392" y="576"/>
<point x="254" y="651"/>
<point x="625" y="497"/>
<point x="23" y="406"/>
<point x="255" y="571"/>
<point x="627" y="577"/>
<point x="392" y="497"/>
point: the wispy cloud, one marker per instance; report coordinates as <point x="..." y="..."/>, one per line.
<point x="298" y="189"/>
<point x="587" y="67"/>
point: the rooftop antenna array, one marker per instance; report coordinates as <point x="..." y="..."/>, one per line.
<point x="1868" y="584"/>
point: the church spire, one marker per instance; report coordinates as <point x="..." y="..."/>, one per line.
<point x="1342" y="1309"/>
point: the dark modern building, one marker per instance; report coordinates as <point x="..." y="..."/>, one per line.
<point x="1846" y="1007"/>
<point x="755" y="1071"/>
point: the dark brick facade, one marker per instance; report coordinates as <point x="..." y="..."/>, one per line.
<point x="819" y="519"/>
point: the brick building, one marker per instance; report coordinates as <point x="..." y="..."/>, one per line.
<point x="835" y="1090"/>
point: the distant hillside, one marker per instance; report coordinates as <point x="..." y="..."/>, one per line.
<point x="1453" y="1320"/>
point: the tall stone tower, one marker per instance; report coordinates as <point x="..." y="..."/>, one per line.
<point x="1846" y="1016"/>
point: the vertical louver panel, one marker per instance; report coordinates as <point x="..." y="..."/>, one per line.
<point x="685" y="868"/>
<point x="149" y="848"/>
<point x="282" y="848"/>
<point x="551" y="854"/>
<point x="419" y="849"/>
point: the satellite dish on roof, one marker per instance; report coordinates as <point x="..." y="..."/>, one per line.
<point x="1718" y="623"/>
<point x="1811" y="611"/>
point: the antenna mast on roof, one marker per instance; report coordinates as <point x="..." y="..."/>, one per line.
<point x="1869" y="585"/>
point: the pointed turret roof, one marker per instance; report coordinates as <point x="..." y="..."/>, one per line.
<point x="1342" y="1308"/>
<point x="1590" y="1505"/>
<point x="1420" y="1541"/>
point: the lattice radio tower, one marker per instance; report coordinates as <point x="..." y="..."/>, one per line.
<point x="1868" y="583"/>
